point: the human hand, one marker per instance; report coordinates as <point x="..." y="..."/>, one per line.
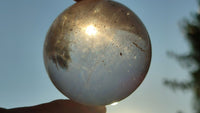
<point x="57" y="106"/>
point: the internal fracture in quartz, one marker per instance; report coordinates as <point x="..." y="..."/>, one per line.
<point x="97" y="52"/>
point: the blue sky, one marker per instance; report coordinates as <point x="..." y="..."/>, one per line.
<point x="24" y="81"/>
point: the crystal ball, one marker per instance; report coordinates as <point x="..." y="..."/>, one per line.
<point x="97" y="52"/>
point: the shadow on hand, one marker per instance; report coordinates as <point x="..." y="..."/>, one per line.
<point x="58" y="106"/>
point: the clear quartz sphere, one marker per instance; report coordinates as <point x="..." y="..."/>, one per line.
<point x="97" y="52"/>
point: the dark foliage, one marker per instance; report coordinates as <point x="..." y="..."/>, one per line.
<point x="191" y="60"/>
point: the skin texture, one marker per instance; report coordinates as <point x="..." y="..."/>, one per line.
<point x="57" y="106"/>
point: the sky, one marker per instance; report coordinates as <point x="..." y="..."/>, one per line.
<point x="23" y="78"/>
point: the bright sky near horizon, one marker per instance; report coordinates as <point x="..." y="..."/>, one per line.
<point x="23" y="78"/>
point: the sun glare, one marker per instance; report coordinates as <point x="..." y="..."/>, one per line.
<point x="91" y="30"/>
<point x="114" y="104"/>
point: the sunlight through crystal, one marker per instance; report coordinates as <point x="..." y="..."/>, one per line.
<point x="91" y="30"/>
<point x="97" y="52"/>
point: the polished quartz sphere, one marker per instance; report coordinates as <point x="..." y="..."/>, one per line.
<point x="97" y="52"/>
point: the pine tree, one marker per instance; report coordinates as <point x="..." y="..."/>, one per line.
<point x="191" y="60"/>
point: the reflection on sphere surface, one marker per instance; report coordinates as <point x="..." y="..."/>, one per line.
<point x="97" y="52"/>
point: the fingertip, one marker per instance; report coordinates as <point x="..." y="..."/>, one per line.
<point x="68" y="105"/>
<point x="102" y="109"/>
<point x="77" y="0"/>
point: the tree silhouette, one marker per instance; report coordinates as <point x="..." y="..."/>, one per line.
<point x="191" y="60"/>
